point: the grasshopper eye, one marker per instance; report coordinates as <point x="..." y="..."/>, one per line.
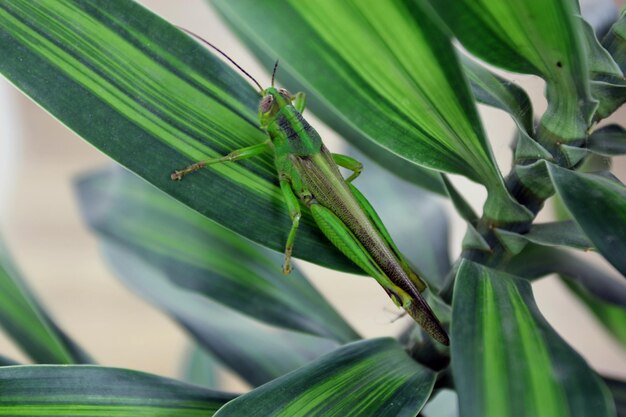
<point x="285" y="93"/>
<point x="266" y="103"/>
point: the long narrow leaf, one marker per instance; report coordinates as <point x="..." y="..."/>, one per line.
<point x="384" y="74"/>
<point x="201" y="256"/>
<point x="154" y="100"/>
<point x="599" y="207"/>
<point x="513" y="35"/>
<point x="508" y="361"/>
<point x="257" y="352"/>
<point x="26" y="321"/>
<point x="369" y="378"/>
<point x="88" y="391"/>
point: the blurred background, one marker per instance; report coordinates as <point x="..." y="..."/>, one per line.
<point x="60" y="257"/>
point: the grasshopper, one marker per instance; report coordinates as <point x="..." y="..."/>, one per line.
<point x="309" y="173"/>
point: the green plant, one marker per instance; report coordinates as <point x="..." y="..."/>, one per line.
<point x="387" y="77"/>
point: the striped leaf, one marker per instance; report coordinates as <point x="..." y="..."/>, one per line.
<point x="27" y="323"/>
<point x="369" y="378"/>
<point x="508" y="361"/>
<point x="384" y="74"/>
<point x="89" y="391"/>
<point x="198" y="255"/>
<point x="599" y="207"/>
<point x="153" y="100"/>
<point x="514" y="35"/>
<point x="257" y="352"/>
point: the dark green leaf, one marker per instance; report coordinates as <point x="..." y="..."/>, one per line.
<point x="200" y="368"/>
<point x="257" y="352"/>
<point x="26" y="321"/>
<point x="615" y="41"/>
<point x="460" y="204"/>
<point x="97" y="391"/>
<point x="565" y="233"/>
<point x="508" y="361"/>
<point x="388" y="70"/>
<point x="514" y="35"/>
<point x="599" y="207"/>
<point x="201" y="256"/>
<point x="537" y="261"/>
<point x="618" y="389"/>
<point x="612" y="317"/>
<point x="4" y="361"/>
<point x="609" y="140"/>
<point x="154" y="100"/>
<point x="497" y="92"/>
<point x="368" y="378"/>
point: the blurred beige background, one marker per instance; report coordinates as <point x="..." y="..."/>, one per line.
<point x="59" y="256"/>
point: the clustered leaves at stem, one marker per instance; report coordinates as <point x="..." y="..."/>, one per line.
<point x="387" y="77"/>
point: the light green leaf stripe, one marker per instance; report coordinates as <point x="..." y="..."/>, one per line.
<point x="369" y="378"/>
<point x="256" y="351"/>
<point x="24" y="319"/>
<point x="512" y="35"/>
<point x="90" y="391"/>
<point x="537" y="374"/>
<point x="201" y="256"/>
<point x="154" y="100"/>
<point x="599" y="207"/>
<point x="385" y="68"/>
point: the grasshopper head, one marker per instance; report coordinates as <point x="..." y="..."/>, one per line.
<point x="273" y="100"/>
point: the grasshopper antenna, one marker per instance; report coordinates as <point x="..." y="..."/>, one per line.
<point x="225" y="56"/>
<point x="274" y="72"/>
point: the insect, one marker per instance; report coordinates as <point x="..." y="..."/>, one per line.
<point x="309" y="173"/>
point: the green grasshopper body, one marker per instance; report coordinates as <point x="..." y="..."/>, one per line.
<point x="309" y="173"/>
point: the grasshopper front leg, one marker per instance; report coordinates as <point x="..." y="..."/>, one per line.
<point x="349" y="163"/>
<point x="236" y="155"/>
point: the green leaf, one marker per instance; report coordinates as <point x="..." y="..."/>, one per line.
<point x="369" y="378"/>
<point x="257" y="352"/>
<point x="4" y="361"/>
<point x="201" y="256"/>
<point x="200" y="368"/>
<point x="154" y="100"/>
<point x="608" y="140"/>
<point x="615" y="41"/>
<point x="461" y="206"/>
<point x="565" y="233"/>
<point x="26" y="321"/>
<point x="611" y="316"/>
<point x="618" y="389"/>
<point x="599" y="207"/>
<point x="536" y="374"/>
<point x="495" y="91"/>
<point x="97" y="391"/>
<point x="536" y="261"/>
<point x="513" y="36"/>
<point x="387" y="69"/>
